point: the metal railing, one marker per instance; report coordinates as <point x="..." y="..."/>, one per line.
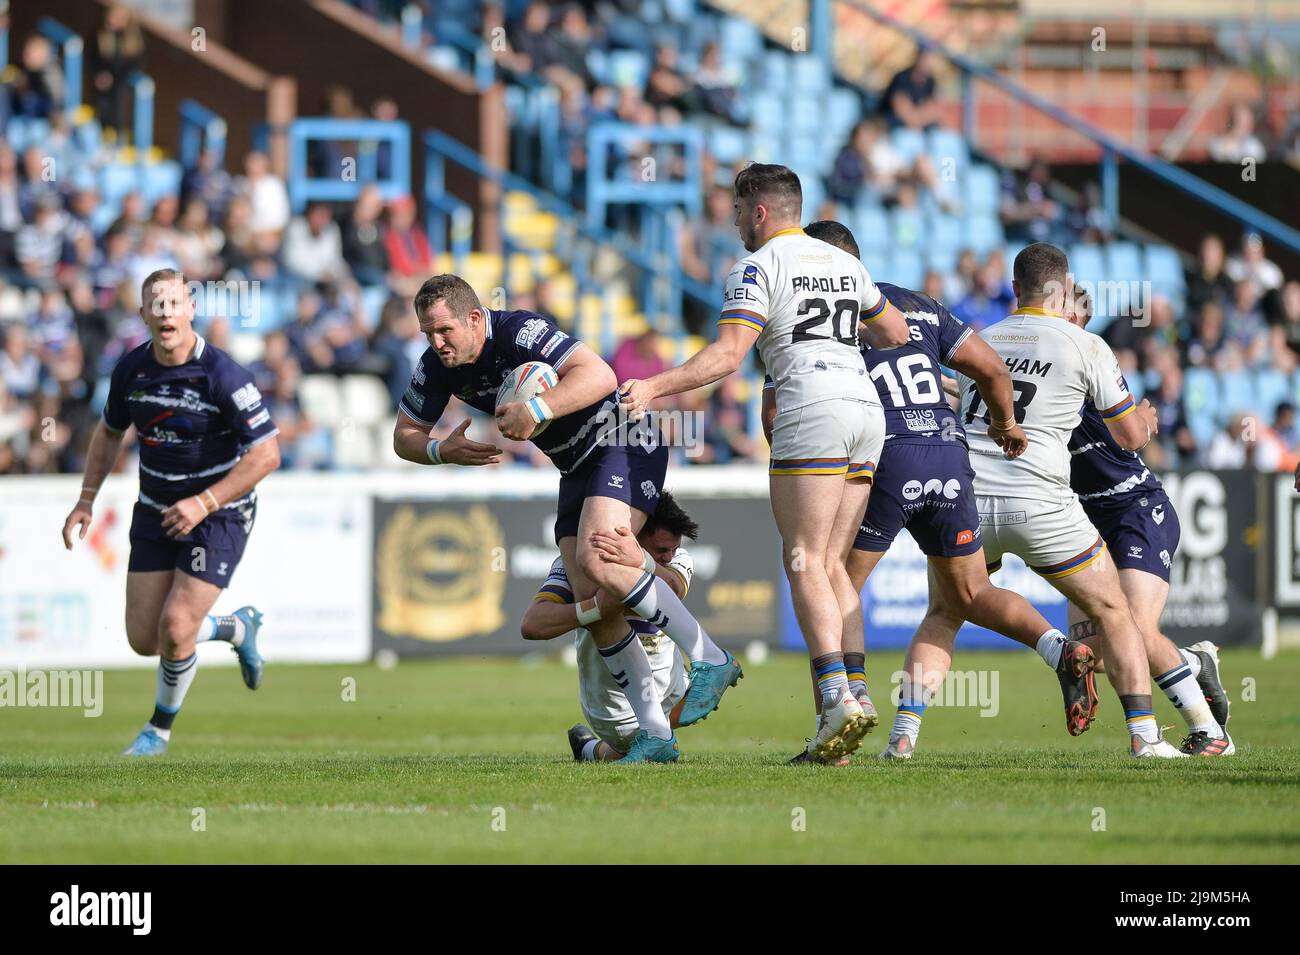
<point x="72" y="51"/>
<point x="201" y="130"/>
<point x="1112" y="149"/>
<point x="368" y="135"/>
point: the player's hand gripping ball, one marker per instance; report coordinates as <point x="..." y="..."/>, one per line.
<point x="514" y="417"/>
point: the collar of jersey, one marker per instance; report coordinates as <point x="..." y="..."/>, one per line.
<point x="793" y="230"/>
<point x="1035" y="310"/>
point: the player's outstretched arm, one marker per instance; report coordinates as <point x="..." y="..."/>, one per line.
<point x="976" y="360"/>
<point x="256" y="463"/>
<point x="713" y="362"/>
<point x="547" y="619"/>
<point x="411" y="442"/>
<point x="105" y="443"/>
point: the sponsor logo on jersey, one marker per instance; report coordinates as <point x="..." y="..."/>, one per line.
<point x="920" y="420"/>
<point x="930" y="318"/>
<point x="246" y="397"/>
<point x="912" y="490"/>
<point x="965" y="537"/>
<point x="1001" y="520"/>
<point x="1158" y="513"/>
<point x="750" y="275"/>
<point x="819" y="365"/>
<point x="616" y="480"/>
<point x="648" y="489"/>
<point x="261" y="418"/>
<point x="531" y="332"/>
<point x="552" y="343"/>
<point x="1164" y="558"/>
<point x="418" y="374"/>
<point x="1134" y="550"/>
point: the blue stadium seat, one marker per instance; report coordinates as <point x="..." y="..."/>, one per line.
<point x="1201" y="399"/>
<point x="945" y="232"/>
<point x="809" y="74"/>
<point x="774" y="71"/>
<point x="767" y="111"/>
<point x="906" y="268"/>
<point x="161" y="179"/>
<point x="1087" y="264"/>
<point x="806" y="121"/>
<point x="814" y="193"/>
<point x="116" y="179"/>
<point x="983" y="188"/>
<point x="1236" y="396"/>
<point x="803" y="153"/>
<point x="739" y="37"/>
<point x="983" y="232"/>
<point x="1009" y="252"/>
<point x="628" y="68"/>
<point x="1271" y="389"/>
<point x="907" y="228"/>
<point x="871" y="227"/>
<point x="910" y="143"/>
<point x="1124" y="262"/>
<point x="941" y="260"/>
<point x="946" y="144"/>
<point x="843" y="110"/>
<point x="1164" y="269"/>
<point x="727" y="144"/>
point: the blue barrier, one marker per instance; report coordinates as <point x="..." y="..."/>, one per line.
<point x="607" y="187"/>
<point x="142" y="89"/>
<point x="369" y="134"/>
<point x="72" y="50"/>
<point x="201" y="130"/>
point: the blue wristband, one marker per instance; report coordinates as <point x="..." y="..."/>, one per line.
<point x="432" y="451"/>
<point x="538" y="411"/>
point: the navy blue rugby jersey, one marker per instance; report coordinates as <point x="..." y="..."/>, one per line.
<point x="194" y="421"/>
<point x="909" y="379"/>
<point x="513" y="338"/>
<point x="1100" y="470"/>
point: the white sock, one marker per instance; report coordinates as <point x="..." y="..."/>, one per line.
<point x="653" y="600"/>
<point x="1049" y="647"/>
<point x="1193" y="661"/>
<point x="174" y="679"/>
<point x="630" y="667"/>
<point x="905" y="724"/>
<point x="1180" y="686"/>
<point x="228" y="628"/>
<point x="588" y="754"/>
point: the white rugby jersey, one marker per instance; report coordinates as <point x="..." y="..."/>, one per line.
<point x="804" y="297"/>
<point x="601" y="697"/>
<point x="1055" y="367"/>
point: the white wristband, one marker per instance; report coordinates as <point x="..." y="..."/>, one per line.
<point x="538" y="410"/>
<point x="649" y="563"/>
<point x="431" y="450"/>
<point x="591" y="614"/>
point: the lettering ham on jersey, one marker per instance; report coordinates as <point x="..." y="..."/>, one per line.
<point x="1028" y="366"/>
<point x="814" y="283"/>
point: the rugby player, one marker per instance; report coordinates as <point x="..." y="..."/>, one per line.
<point x="1136" y="519"/>
<point x="1025" y="504"/>
<point x="603" y="698"/>
<point x="205" y="442"/>
<point x="803" y="302"/>
<point x="923" y="482"/>
<point x="612" y="477"/>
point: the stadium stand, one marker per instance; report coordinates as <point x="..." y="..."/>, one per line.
<point x="315" y="273"/>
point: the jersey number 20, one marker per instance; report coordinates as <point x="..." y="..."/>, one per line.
<point x="842" y="325"/>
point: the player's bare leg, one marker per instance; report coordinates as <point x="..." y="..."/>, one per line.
<point x="962" y="586"/>
<point x="184" y="607"/>
<point x="853" y="627"/>
<point x="806" y="508"/>
<point x="1096" y="590"/>
<point x="928" y="659"/>
<point x="1180" y="673"/>
<point x="146" y="592"/>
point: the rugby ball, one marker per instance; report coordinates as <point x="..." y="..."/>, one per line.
<point x="528" y="381"/>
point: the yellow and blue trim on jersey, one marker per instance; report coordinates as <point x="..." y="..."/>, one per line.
<point x="810" y="466"/>
<point x="743" y="316"/>
<point x="1115" y="412"/>
<point x="870" y="315"/>
<point x="867" y="469"/>
<point x="552" y="592"/>
<point x="1075" y="564"/>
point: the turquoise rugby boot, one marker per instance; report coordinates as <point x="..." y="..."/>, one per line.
<point x="650" y="749"/>
<point x="708" y="682"/>
<point x="148" y="743"/>
<point x="250" y="661"/>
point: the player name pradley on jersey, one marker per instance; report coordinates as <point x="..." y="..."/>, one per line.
<point x="815" y="283"/>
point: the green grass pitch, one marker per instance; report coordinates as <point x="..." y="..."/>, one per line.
<point x="466" y="761"/>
